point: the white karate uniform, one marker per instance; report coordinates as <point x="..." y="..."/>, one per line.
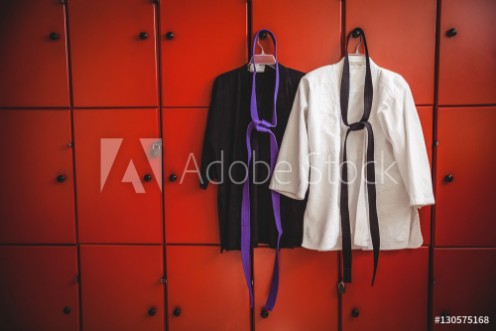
<point x="311" y="155"/>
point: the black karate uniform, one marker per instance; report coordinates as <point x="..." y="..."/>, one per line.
<point x="225" y="144"/>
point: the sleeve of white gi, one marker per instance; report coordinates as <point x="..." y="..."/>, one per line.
<point x="401" y="122"/>
<point x="291" y="174"/>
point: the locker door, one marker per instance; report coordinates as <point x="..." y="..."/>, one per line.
<point x="400" y="36"/>
<point x="122" y="288"/>
<point x="38" y="288"/>
<point x="466" y="58"/>
<point x="36" y="177"/>
<point x="113" y="53"/>
<point x="33" y="60"/>
<point x="206" y="289"/>
<point x="119" y="177"/>
<point x="464" y="286"/>
<point x="465" y="211"/>
<point x="200" y="40"/>
<point x="398" y="299"/>
<point x="426" y="118"/>
<point x="307" y="297"/>
<point x="184" y="199"/>
<point x="308" y="32"/>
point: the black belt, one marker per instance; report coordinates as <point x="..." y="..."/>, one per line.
<point x="370" y="172"/>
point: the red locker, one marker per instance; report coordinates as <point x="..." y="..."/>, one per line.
<point x="307" y="299"/>
<point x="398" y="299"/>
<point x="113" y="53"/>
<point x="36" y="177"/>
<point x="38" y="288"/>
<point x="122" y="288"/>
<point x="466" y="56"/>
<point x="206" y="289"/>
<point x="118" y="161"/>
<point x="182" y="159"/>
<point x="33" y="60"/>
<point x="200" y="40"/>
<point x="308" y="32"/>
<point x="400" y="36"/>
<point x="464" y="286"/>
<point x="465" y="181"/>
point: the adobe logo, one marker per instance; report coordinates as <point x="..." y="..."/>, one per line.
<point x="109" y="147"/>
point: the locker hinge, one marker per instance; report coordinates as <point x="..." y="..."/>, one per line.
<point x="341" y="287"/>
<point x="76" y="279"/>
<point x="436" y="143"/>
<point x="163" y="280"/>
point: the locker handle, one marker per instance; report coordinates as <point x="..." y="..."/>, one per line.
<point x="147" y="178"/>
<point x="355" y="312"/>
<point x="61" y="178"/>
<point x="451" y="33"/>
<point x="152" y="311"/>
<point x="264" y="313"/>
<point x="54" y="36"/>
<point x="143" y="35"/>
<point x="67" y="310"/>
<point x="176" y="312"/>
<point x="449" y="178"/>
<point x="169" y="35"/>
<point x="172" y="178"/>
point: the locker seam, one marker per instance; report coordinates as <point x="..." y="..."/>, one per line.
<point x="74" y="174"/>
<point x="430" y="285"/>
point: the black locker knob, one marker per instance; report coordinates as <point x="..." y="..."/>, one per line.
<point x="172" y="178"/>
<point x="169" y="35"/>
<point x="61" y="178"/>
<point x="355" y="312"/>
<point x="449" y="178"/>
<point x="152" y="311"/>
<point x="176" y="312"/>
<point x="143" y="35"/>
<point x="54" y="36"/>
<point x="67" y="310"/>
<point x="147" y="178"/>
<point x="264" y="313"/>
<point x="263" y="35"/>
<point x="451" y="33"/>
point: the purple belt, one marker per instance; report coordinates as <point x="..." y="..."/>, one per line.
<point x="265" y="127"/>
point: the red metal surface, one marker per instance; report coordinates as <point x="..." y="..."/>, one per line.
<point x="208" y="288"/>
<point x="190" y="212"/>
<point x="466" y="210"/>
<point x="307" y="297"/>
<point x="36" y="285"/>
<point x="308" y="32"/>
<point x="33" y="67"/>
<point x="398" y="299"/>
<point x="117" y="213"/>
<point x="209" y="39"/>
<point x="121" y="285"/>
<point x="464" y="286"/>
<point x="400" y="37"/>
<point x="111" y="65"/>
<point x="466" y="65"/>
<point x="34" y="206"/>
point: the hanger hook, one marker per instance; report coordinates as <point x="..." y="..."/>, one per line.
<point x="358" y="46"/>
<point x="260" y="45"/>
